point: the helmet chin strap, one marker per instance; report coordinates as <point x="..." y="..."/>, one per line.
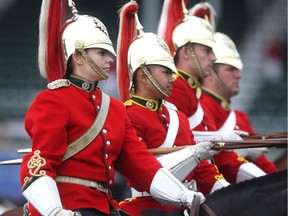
<point x="154" y="82"/>
<point x="196" y="62"/>
<point x="226" y="89"/>
<point x="79" y="46"/>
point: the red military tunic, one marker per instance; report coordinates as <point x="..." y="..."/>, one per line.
<point x="220" y="110"/>
<point x="185" y="95"/>
<point x="57" y="118"/>
<point x="151" y="120"/>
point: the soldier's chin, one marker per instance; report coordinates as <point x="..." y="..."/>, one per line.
<point x="106" y="72"/>
<point x="206" y="73"/>
<point x="235" y="92"/>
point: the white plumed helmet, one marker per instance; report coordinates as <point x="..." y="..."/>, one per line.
<point x="226" y="52"/>
<point x="149" y="49"/>
<point x="193" y="30"/>
<point x="59" y="38"/>
<point x="88" y="30"/>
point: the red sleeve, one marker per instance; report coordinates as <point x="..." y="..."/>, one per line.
<point x="206" y="174"/>
<point x="135" y="162"/>
<point x="216" y="112"/>
<point x="262" y="162"/>
<point x="243" y="122"/>
<point x="265" y="164"/>
<point x="228" y="164"/>
<point x="42" y="117"/>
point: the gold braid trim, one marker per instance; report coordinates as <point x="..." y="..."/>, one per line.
<point x="155" y="83"/>
<point x="34" y="165"/>
<point x="79" y="45"/>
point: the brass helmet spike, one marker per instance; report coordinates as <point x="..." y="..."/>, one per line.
<point x="139" y="27"/>
<point x="185" y="11"/>
<point x="206" y="18"/>
<point x="74" y="10"/>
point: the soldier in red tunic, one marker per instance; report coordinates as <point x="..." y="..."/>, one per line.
<point x="80" y="135"/>
<point x="219" y="87"/>
<point x="147" y="68"/>
<point x="192" y="39"/>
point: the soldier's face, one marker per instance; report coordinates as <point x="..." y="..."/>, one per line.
<point x="102" y="58"/>
<point x="230" y="76"/>
<point x="164" y="76"/>
<point x="205" y="56"/>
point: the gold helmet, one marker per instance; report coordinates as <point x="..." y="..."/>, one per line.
<point x="137" y="49"/>
<point x="193" y="30"/>
<point x="226" y="52"/>
<point x="59" y="39"/>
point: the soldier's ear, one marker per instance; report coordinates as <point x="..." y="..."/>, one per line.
<point x="185" y="52"/>
<point x="141" y="76"/>
<point x="77" y="58"/>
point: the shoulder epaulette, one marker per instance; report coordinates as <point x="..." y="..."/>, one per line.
<point x="58" y="84"/>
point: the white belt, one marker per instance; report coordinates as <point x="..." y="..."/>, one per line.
<point x="197" y="117"/>
<point x="230" y="122"/>
<point x="173" y="127"/>
<point x="136" y="193"/>
<point x="85" y="182"/>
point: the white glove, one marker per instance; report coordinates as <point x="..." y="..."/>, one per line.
<point x="231" y="135"/>
<point x="44" y="196"/>
<point x="181" y="163"/>
<point x="203" y="150"/>
<point x="166" y="189"/>
<point x="241" y="133"/>
<point x="62" y="212"/>
<point x="187" y="197"/>
<point x="200" y="136"/>
<point x="252" y="153"/>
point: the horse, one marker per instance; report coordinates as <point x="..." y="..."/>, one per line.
<point x="262" y="196"/>
<point x="18" y="211"/>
